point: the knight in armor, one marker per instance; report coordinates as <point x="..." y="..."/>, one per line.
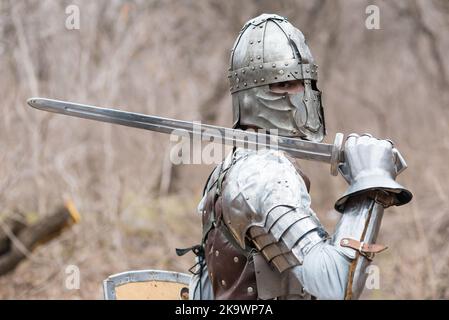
<point x="261" y="239"/>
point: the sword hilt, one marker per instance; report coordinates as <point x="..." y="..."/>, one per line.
<point x="337" y="156"/>
<point x="337" y="151"/>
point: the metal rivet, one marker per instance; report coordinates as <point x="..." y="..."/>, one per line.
<point x="345" y="241"/>
<point x="253" y="68"/>
<point x="306" y="99"/>
<point x="245" y="84"/>
<point x="307" y="70"/>
<point x="235" y="74"/>
<point x="250" y="290"/>
<point x="258" y="57"/>
<point x="236" y="259"/>
<point x="294" y="131"/>
<point x="243" y="71"/>
<point x="281" y="71"/>
<point x="223" y="282"/>
<point x="286" y="64"/>
<point x="261" y="26"/>
<point x="251" y="42"/>
<point x="258" y="41"/>
<point x="283" y="97"/>
<point x="263" y="79"/>
<point x="255" y="81"/>
<point x="261" y="66"/>
<point x="274" y="65"/>
<point x="296" y="72"/>
<point x="251" y="59"/>
<point x="217" y="253"/>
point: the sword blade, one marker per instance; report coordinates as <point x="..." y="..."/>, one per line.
<point x="297" y="148"/>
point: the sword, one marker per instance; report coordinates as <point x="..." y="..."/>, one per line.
<point x="297" y="148"/>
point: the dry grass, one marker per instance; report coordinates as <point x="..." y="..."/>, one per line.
<point x="170" y="58"/>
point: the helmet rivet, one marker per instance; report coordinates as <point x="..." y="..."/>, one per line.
<point x="258" y="41"/>
<point x="253" y="68"/>
<point x="258" y="57"/>
<point x="251" y="59"/>
<point x="263" y="79"/>
<point x="245" y="84"/>
<point x="307" y="70"/>
<point x="223" y="283"/>
<point x="243" y="71"/>
<point x="251" y="42"/>
<point x="306" y="99"/>
<point x="235" y="74"/>
<point x="283" y="97"/>
<point x="281" y="71"/>
<point x="255" y="80"/>
<point x="260" y="66"/>
<point x="274" y="65"/>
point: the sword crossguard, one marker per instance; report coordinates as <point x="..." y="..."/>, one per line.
<point x="337" y="151"/>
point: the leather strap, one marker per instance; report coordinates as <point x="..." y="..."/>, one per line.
<point x="366" y="249"/>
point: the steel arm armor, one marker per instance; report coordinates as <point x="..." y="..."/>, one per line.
<point x="266" y="204"/>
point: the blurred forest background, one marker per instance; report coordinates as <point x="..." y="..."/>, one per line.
<point x="170" y="58"/>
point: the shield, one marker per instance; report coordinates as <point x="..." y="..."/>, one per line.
<point x="147" y="285"/>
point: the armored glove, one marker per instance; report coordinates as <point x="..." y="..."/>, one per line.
<point x="370" y="166"/>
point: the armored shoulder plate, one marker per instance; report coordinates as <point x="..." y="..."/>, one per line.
<point x="257" y="183"/>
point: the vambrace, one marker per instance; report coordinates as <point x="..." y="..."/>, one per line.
<point x="355" y="235"/>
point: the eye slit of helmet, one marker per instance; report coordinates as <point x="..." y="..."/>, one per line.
<point x="294" y="86"/>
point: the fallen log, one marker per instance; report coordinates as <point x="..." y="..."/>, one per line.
<point x="19" y="239"/>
